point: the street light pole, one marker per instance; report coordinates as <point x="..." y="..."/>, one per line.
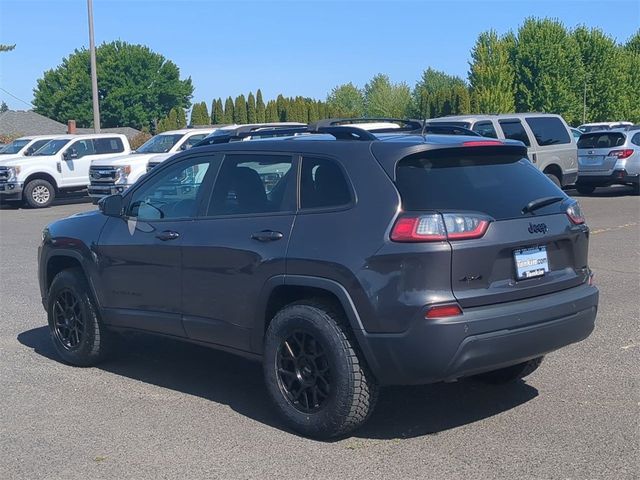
<point x="94" y="77"/>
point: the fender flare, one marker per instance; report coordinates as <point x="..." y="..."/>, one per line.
<point x="63" y="252"/>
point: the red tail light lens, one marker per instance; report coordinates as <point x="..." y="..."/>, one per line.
<point x="574" y="212"/>
<point x="439" y="311"/>
<point x="627" y="152"/>
<point x="435" y="227"/>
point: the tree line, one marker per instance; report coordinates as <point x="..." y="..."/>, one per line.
<point x="580" y="73"/>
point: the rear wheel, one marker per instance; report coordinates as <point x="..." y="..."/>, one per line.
<point x="39" y="193"/>
<point x="585" y="189"/>
<point x="78" y="335"/>
<point x="510" y="374"/>
<point x="554" y="179"/>
<point x="314" y="375"/>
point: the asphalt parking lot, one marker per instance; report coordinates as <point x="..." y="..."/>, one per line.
<point x="163" y="409"/>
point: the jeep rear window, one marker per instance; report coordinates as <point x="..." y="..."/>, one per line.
<point x="601" y="140"/>
<point x="499" y="185"/>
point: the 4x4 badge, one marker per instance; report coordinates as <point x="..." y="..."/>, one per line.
<point x="538" y="228"/>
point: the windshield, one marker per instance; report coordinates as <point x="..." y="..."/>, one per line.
<point x="13" y="147"/>
<point x="51" y="148"/>
<point x="159" y="144"/>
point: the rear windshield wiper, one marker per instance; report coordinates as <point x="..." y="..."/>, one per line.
<point x="541" y="202"/>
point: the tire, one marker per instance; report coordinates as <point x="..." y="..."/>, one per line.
<point x="585" y="189"/>
<point x="335" y="391"/>
<point x="554" y="179"/>
<point x="39" y="193"/>
<point x="510" y="374"/>
<point x="77" y="333"/>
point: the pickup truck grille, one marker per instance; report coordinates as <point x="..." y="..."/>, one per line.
<point x="102" y="175"/>
<point x="4" y="174"/>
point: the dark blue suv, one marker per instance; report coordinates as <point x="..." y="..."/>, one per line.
<point x="343" y="259"/>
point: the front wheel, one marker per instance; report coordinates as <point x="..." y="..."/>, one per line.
<point x="78" y="335"/>
<point x="39" y="193"/>
<point x="315" y="377"/>
<point x="510" y="374"/>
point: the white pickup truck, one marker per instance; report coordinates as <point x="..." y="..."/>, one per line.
<point x="62" y="164"/>
<point x="24" y="146"/>
<point x="115" y="175"/>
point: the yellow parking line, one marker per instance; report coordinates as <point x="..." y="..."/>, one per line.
<point x="602" y="230"/>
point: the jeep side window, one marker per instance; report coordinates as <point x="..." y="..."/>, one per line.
<point x="514" y="130"/>
<point x="105" y="146"/>
<point x="174" y="193"/>
<point x="323" y="184"/>
<point x="548" y="130"/>
<point x="253" y="183"/>
<point x="485" y="129"/>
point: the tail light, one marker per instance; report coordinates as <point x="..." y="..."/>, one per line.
<point x="574" y="212"/>
<point x="436" y="227"/>
<point x="439" y="311"/>
<point x="627" y="152"/>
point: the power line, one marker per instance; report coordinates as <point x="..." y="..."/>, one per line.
<point x="19" y="99"/>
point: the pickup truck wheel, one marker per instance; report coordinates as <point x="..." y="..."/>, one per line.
<point x="585" y="189"/>
<point x="554" y="179"/>
<point x="314" y="375"/>
<point x="510" y="374"/>
<point x="78" y="335"/>
<point x="39" y="193"/>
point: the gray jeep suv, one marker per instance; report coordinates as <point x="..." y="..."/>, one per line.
<point x="343" y="259"/>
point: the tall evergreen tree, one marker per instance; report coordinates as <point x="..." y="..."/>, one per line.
<point x="631" y="60"/>
<point x="491" y="74"/>
<point x="240" y="110"/>
<point x="271" y="112"/>
<point x="200" y="114"/>
<point x="547" y="65"/>
<point x="229" y="115"/>
<point x="217" y="115"/>
<point x="346" y="100"/>
<point x="260" y="108"/>
<point x="251" y="109"/>
<point x="281" y="106"/>
<point x="385" y="99"/>
<point x="437" y="94"/>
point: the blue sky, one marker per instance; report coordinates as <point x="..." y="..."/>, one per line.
<point x="294" y="47"/>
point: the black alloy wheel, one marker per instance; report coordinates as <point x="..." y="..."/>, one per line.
<point x="304" y="375"/>
<point x="69" y="321"/>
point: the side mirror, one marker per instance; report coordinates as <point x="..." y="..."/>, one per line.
<point x="29" y="151"/>
<point x="111" y="206"/>
<point x="70" y="154"/>
<point x="184" y="146"/>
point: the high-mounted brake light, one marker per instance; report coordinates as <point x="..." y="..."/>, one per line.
<point x="439" y="311"/>
<point x="481" y="143"/>
<point x="627" y="152"/>
<point x="574" y="212"/>
<point x="435" y="227"/>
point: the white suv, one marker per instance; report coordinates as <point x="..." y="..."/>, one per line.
<point x="115" y="175"/>
<point x="24" y="146"/>
<point x="62" y="164"/>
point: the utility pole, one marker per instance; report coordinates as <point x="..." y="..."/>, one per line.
<point x="584" y="102"/>
<point x="94" y="76"/>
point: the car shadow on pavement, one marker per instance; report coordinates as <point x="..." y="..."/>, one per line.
<point x="604" y="192"/>
<point x="402" y="412"/>
<point x="72" y="198"/>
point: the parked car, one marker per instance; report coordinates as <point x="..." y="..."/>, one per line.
<point x="24" y="146"/>
<point x="116" y="174"/>
<point x="550" y="145"/>
<point x="62" y="164"/>
<point x="359" y="267"/>
<point x="599" y="126"/>
<point x="609" y="157"/>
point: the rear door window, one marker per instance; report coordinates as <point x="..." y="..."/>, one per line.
<point x="323" y="184"/>
<point x="548" y="130"/>
<point x="485" y="129"/>
<point x="104" y="146"/>
<point x="514" y="130"/>
<point x="484" y="180"/>
<point x="636" y="139"/>
<point x="601" y="140"/>
<point x="252" y="184"/>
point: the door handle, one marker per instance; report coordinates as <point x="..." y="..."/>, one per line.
<point x="534" y="157"/>
<point x="267" y="236"/>
<point x="167" y="235"/>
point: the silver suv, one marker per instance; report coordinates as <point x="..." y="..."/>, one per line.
<point x="609" y="157"/>
<point x="549" y="141"/>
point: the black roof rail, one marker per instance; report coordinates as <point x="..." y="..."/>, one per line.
<point x="405" y="124"/>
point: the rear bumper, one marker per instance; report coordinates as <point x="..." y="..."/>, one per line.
<point x="569" y="178"/>
<point x="483" y="338"/>
<point x="616" y="177"/>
